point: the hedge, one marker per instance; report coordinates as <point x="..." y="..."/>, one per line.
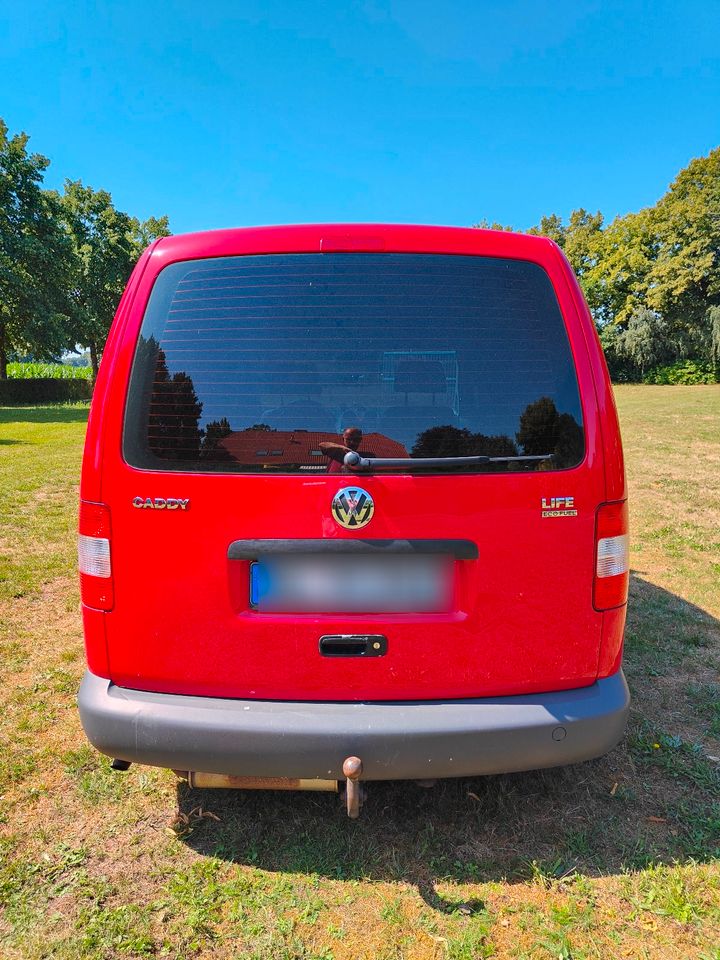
<point x="43" y="390"/>
<point x="683" y="372"/>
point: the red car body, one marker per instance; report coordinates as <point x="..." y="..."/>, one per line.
<point x="529" y="616"/>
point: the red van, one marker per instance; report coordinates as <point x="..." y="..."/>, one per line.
<point x="353" y="507"/>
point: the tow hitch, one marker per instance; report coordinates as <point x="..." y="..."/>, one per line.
<point x="354" y="792"/>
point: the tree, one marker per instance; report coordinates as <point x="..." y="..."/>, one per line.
<point x="621" y="369"/>
<point x="616" y="284"/>
<point x="215" y="431"/>
<point x="485" y="224"/>
<point x="713" y="323"/>
<point x="652" y="278"/>
<point x="684" y="282"/>
<point x="106" y="243"/>
<point x="174" y="431"/>
<point x="35" y="256"/>
<point x="449" y="441"/>
<point x="646" y="342"/>
<point x="552" y="227"/>
<point x="580" y="239"/>
<point x="538" y="427"/>
<point x="148" y="230"/>
<point x="543" y="430"/>
<point x="664" y="259"/>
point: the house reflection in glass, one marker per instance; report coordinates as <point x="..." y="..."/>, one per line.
<point x="293" y="449"/>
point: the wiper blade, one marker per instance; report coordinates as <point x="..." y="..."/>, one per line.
<point x="359" y="464"/>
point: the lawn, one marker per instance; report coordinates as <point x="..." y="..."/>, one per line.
<point x="615" y="858"/>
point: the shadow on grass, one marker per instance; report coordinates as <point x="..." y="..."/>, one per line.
<point x="655" y="798"/>
<point x="46" y="413"/>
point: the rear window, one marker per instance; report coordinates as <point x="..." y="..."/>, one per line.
<point x="266" y="364"/>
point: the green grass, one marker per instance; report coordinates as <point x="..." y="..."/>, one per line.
<point x="40" y="449"/>
<point x="615" y="858"/>
<point x="705" y="697"/>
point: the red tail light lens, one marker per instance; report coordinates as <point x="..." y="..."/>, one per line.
<point x="94" y="561"/>
<point x="612" y="563"/>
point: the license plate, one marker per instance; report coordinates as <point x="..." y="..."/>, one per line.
<point x="341" y="584"/>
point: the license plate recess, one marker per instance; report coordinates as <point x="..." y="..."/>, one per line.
<point x="351" y="584"/>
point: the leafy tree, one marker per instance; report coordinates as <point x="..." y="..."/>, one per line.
<point x="34" y="256"/>
<point x="144" y="232"/>
<point x="616" y="284"/>
<point x="655" y="273"/>
<point x="543" y="430"/>
<point x="552" y="227"/>
<point x="485" y="224"/>
<point x="106" y="243"/>
<point x="442" y="442"/>
<point x="713" y="318"/>
<point x="570" y="441"/>
<point x="215" y="431"/>
<point x="646" y="342"/>
<point x="450" y="441"/>
<point x="174" y="431"/>
<point x="621" y="369"/>
<point x="538" y="427"/>
<point x="666" y="260"/>
<point x="684" y="281"/>
<point x="580" y="239"/>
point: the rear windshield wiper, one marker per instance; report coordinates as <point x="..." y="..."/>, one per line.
<point x="359" y="464"/>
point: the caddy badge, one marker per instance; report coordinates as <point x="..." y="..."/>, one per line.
<point x="352" y="507"/>
<point x="160" y="503"/>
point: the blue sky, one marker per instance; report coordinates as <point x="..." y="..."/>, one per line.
<point x="237" y="113"/>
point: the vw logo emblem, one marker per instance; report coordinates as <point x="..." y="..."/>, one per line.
<point x="352" y="507"/>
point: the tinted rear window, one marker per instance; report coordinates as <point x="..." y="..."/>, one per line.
<point x="256" y="363"/>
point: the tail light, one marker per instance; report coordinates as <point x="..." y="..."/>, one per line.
<point x="94" y="560"/>
<point x="612" y="563"/>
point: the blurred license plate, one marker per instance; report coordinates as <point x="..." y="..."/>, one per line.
<point x="351" y="584"/>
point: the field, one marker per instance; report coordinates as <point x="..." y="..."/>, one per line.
<point x="615" y="858"/>
<point x="56" y="371"/>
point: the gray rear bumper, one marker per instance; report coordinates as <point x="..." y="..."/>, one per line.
<point x="396" y="741"/>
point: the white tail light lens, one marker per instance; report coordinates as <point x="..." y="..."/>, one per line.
<point x="94" y="556"/>
<point x="612" y="566"/>
<point x="613" y="556"/>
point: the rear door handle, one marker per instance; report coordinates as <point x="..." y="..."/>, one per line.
<point x="353" y="645"/>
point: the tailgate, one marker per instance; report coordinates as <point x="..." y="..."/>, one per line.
<point x="250" y="374"/>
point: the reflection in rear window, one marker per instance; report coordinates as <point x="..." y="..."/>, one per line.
<point x="275" y="363"/>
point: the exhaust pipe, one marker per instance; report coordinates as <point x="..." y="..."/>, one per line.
<point x="223" y="781"/>
<point x="352" y="770"/>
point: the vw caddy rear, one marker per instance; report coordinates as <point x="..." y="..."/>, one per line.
<point x="353" y="495"/>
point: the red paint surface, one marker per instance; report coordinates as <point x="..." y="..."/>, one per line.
<point x="522" y="618"/>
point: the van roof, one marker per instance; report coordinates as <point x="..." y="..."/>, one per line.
<point x="351" y="237"/>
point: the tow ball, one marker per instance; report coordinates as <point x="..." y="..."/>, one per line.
<point x="354" y="792"/>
